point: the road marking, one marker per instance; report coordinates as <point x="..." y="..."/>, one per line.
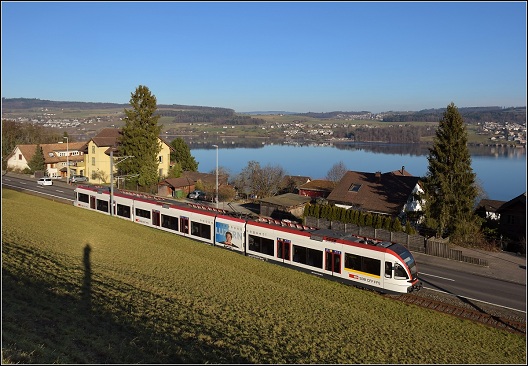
<point x="444" y="278"/>
<point x="469" y="298"/>
<point x="42" y="193"/>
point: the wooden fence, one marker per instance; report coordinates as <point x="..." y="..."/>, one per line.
<point x="415" y="243"/>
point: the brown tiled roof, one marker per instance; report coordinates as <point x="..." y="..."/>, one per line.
<point x="385" y="193"/>
<point x="318" y="185"/>
<point x="178" y="182"/>
<point x="29" y="150"/>
<point x="402" y="172"/>
<point x="297" y="179"/>
<point x="286" y="200"/>
<point x="519" y="199"/>
<point x="490" y="205"/>
<point x="107" y="137"/>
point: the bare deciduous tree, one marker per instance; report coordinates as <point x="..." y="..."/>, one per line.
<point x="336" y="172"/>
<point x="262" y="182"/>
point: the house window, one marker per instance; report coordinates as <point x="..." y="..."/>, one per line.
<point x="160" y="158"/>
<point x="19" y="156"/>
<point x="93" y="161"/>
<point x="161" y="172"/>
<point x="93" y="149"/>
<point x="354" y="187"/>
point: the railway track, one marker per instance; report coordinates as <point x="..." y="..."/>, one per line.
<point x="464" y="313"/>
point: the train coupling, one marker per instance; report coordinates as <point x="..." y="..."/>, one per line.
<point x="416" y="286"/>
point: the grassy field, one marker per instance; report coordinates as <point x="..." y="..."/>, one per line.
<point x="82" y="287"/>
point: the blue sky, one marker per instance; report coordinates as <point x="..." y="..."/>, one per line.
<point x="269" y="56"/>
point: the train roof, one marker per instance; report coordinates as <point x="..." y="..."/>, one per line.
<point x="314" y="233"/>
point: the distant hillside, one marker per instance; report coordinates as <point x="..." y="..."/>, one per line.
<point x="31" y="103"/>
<point x="217" y="115"/>
<point x="179" y="113"/>
<point x="471" y="115"/>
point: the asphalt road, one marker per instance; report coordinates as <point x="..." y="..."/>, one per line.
<point x="435" y="275"/>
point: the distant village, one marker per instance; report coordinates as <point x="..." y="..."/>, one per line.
<point x="498" y="133"/>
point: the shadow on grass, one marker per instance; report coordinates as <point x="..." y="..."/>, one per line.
<point x="41" y="326"/>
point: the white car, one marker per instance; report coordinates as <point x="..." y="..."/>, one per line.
<point x="195" y="194"/>
<point x="45" y="181"/>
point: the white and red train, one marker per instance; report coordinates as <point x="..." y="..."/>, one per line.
<point x="382" y="266"/>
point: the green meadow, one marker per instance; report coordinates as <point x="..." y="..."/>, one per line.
<point x="82" y="287"/>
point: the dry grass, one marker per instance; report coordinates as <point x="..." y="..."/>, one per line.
<point x="82" y="287"/>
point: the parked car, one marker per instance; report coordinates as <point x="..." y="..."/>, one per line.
<point x="203" y="197"/>
<point x="78" y="178"/>
<point x="46" y="181"/>
<point x="194" y="194"/>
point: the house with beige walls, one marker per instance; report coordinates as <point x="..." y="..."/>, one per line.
<point x="56" y="158"/>
<point x="97" y="156"/>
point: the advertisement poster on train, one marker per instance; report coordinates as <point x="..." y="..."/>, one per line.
<point x="228" y="235"/>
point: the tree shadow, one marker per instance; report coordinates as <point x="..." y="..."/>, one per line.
<point x="465" y="300"/>
<point x="86" y="288"/>
<point x="50" y="316"/>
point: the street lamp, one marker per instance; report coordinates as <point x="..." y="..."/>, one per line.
<point x="216" y="175"/>
<point x="67" y="159"/>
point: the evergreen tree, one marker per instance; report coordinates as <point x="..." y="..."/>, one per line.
<point x="37" y="160"/>
<point x="396" y="225"/>
<point x="379" y="222"/>
<point x="387" y="223"/>
<point x="175" y="171"/>
<point x="140" y="139"/>
<point x="368" y="219"/>
<point x="450" y="187"/>
<point x="182" y="155"/>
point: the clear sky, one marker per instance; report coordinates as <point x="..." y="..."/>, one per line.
<point x="269" y="56"/>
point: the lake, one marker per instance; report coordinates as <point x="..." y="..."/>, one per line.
<point x="500" y="170"/>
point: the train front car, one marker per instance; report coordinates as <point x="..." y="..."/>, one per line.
<point x="401" y="273"/>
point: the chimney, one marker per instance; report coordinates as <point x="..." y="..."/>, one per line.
<point x="403" y="168"/>
<point x="378" y="177"/>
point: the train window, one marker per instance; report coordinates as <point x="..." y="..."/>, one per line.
<point x="399" y="272"/>
<point x="123" y="211"/>
<point x="102" y="205"/>
<point x="201" y="230"/>
<point x="310" y="257"/>
<point x="169" y="222"/>
<point x="388" y="270"/>
<point x="83" y="197"/>
<point x="142" y="213"/>
<point x="260" y="244"/>
<point x="363" y="264"/>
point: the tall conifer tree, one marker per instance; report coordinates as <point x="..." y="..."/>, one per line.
<point x="450" y="185"/>
<point x="37" y="160"/>
<point x="140" y="139"/>
<point x="182" y="155"/>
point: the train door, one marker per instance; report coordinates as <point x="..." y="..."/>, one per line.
<point x="92" y="202"/>
<point x="155" y="218"/>
<point x="284" y="249"/>
<point x="333" y="260"/>
<point x="184" y="224"/>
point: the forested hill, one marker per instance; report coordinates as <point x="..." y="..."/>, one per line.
<point x="471" y="115"/>
<point x="179" y="113"/>
<point x="31" y="103"/>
